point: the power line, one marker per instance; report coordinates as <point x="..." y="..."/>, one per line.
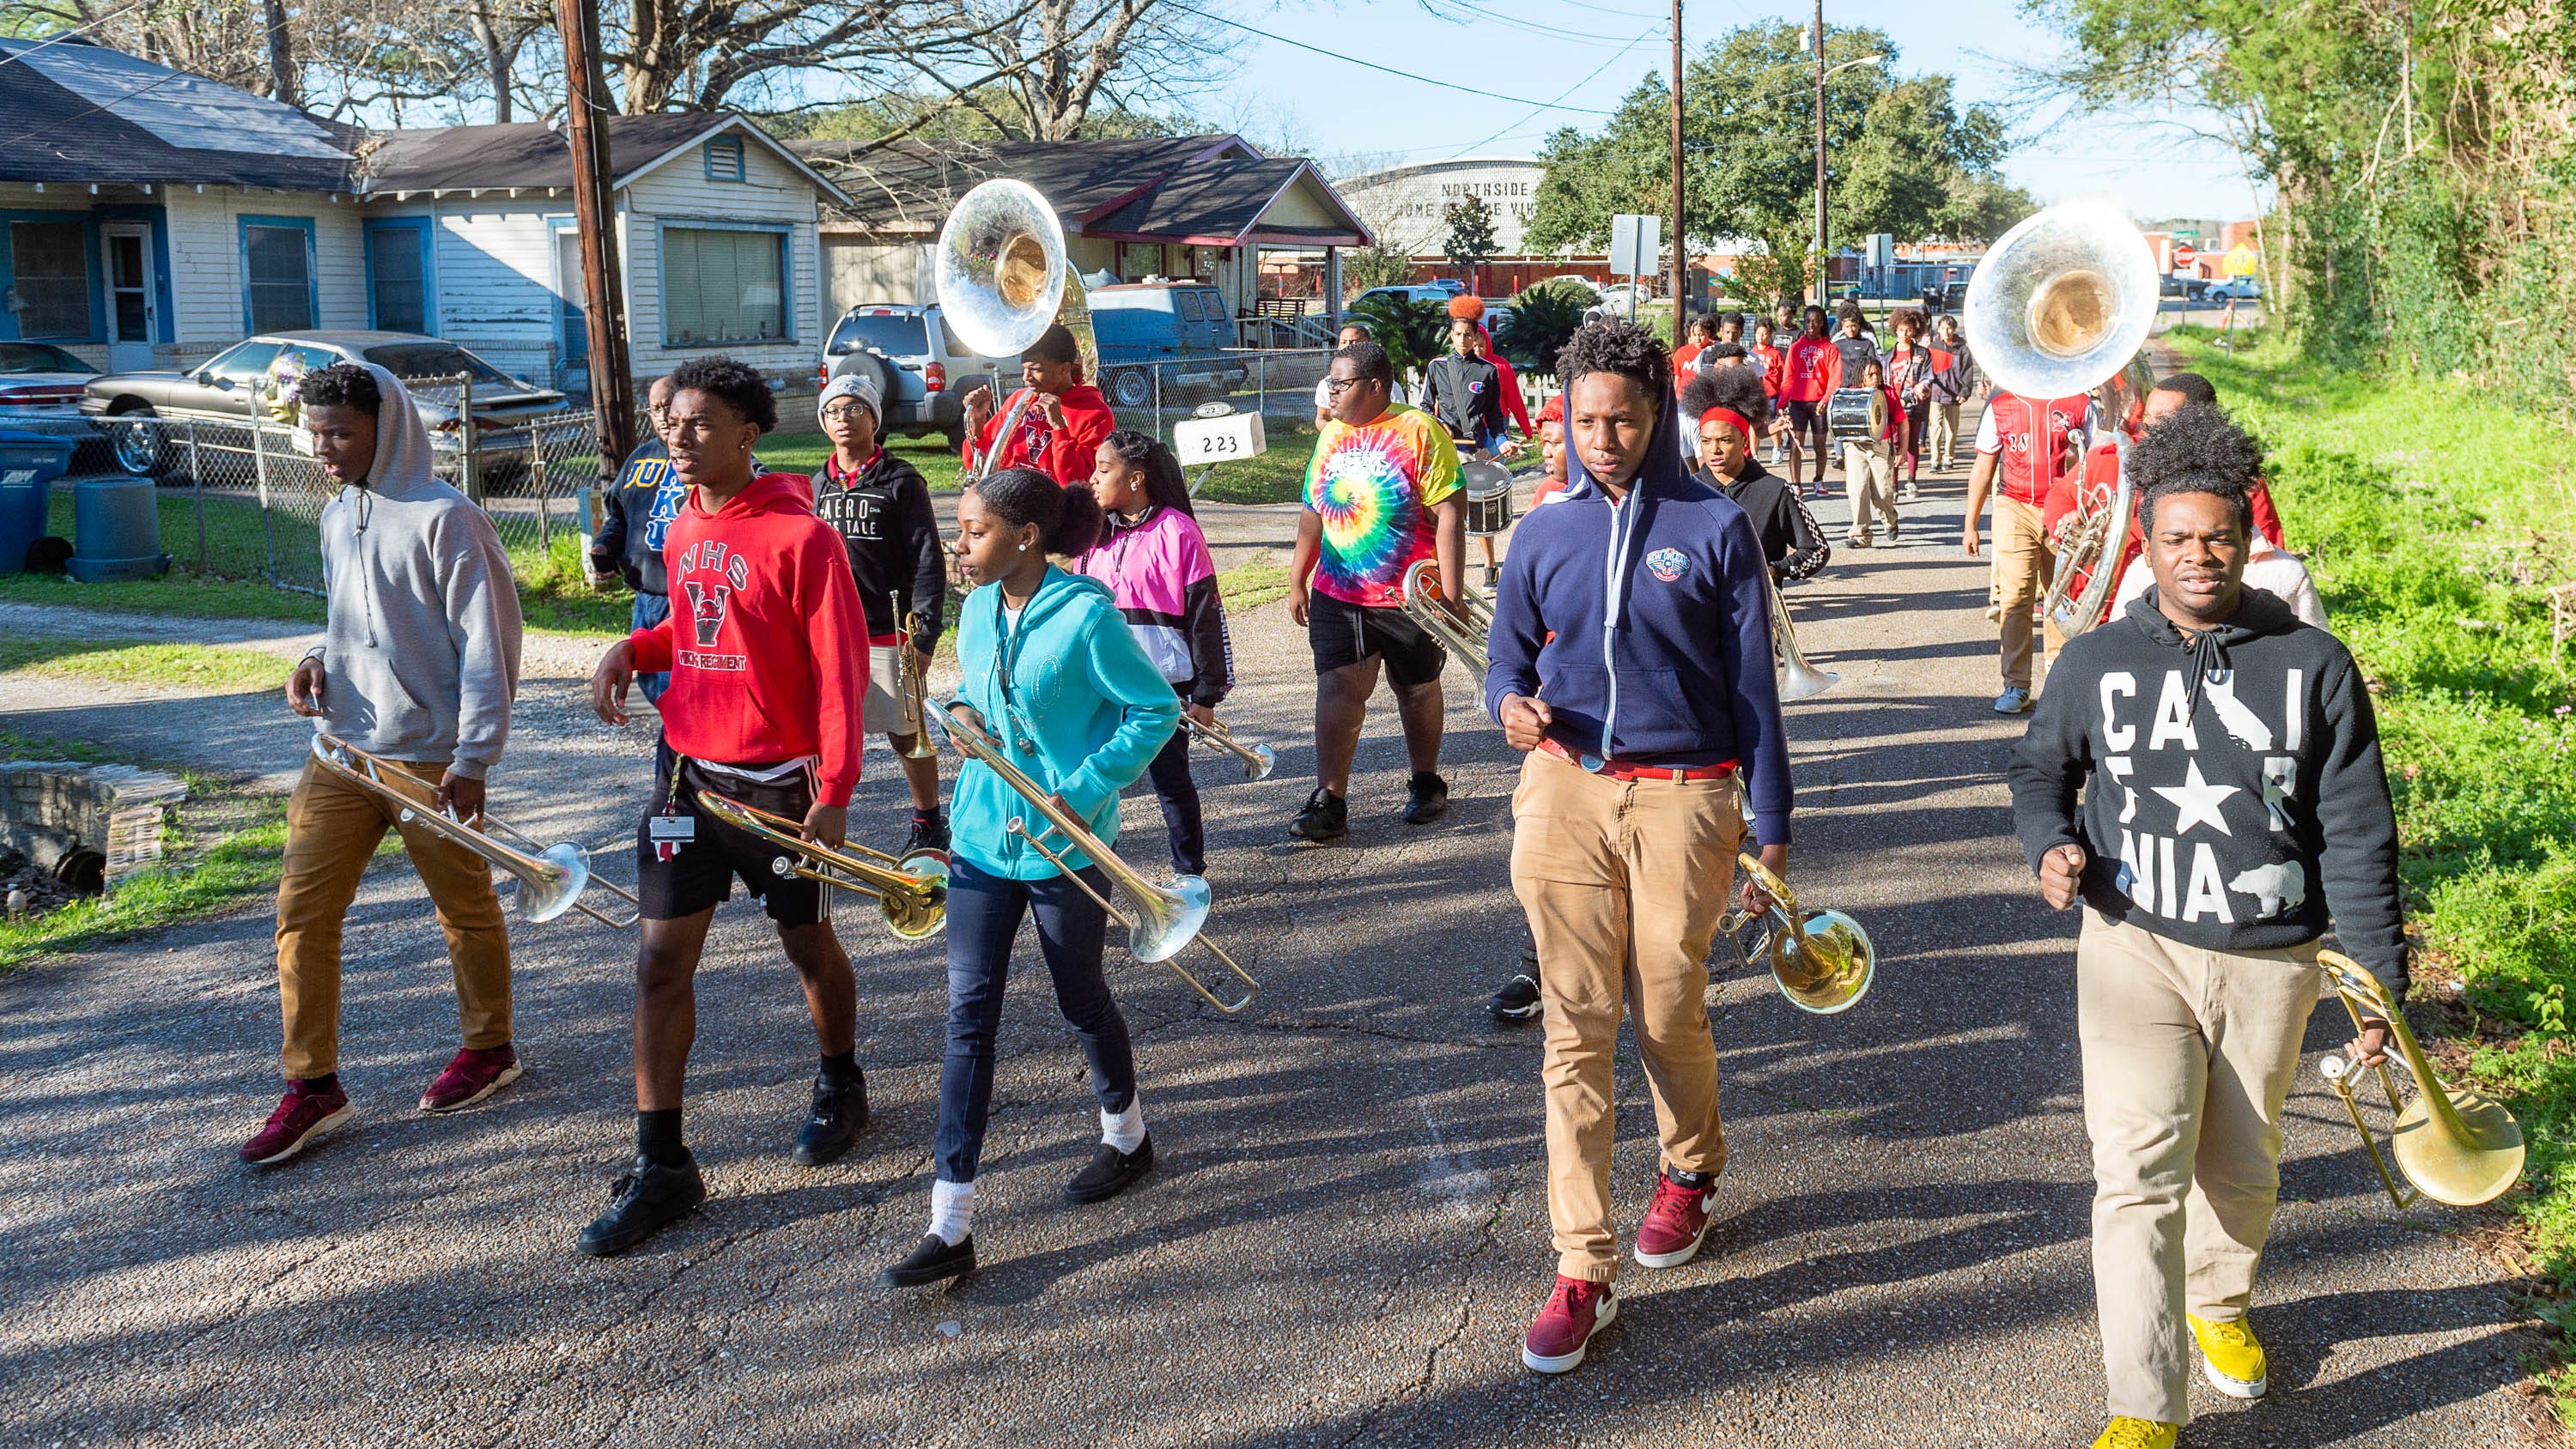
<point x="1642" y="37"/>
<point x="1387" y="70"/>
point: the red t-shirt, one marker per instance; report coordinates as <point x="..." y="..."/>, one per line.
<point x="1775" y="365"/>
<point x="1815" y="370"/>
<point x="2029" y="440"/>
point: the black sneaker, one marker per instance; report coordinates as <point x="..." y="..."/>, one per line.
<point x="1327" y="816"/>
<point x="1517" y="1001"/>
<point x="932" y="1260"/>
<point x="643" y="1202"/>
<point x="1426" y="799"/>
<point x="929" y="832"/>
<point x="1111" y="1172"/>
<point x="840" y="1110"/>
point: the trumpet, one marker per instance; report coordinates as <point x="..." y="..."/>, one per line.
<point x="1165" y="918"/>
<point x="551" y="877"/>
<point x="1258" y="760"/>
<point x="1798" y="679"/>
<point x="1821" y="960"/>
<point x="1426" y="602"/>
<point x="2454" y="1145"/>
<point x="912" y="892"/>
<point x="909" y="686"/>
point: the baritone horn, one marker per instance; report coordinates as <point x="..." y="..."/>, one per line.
<point x="1002" y="280"/>
<point x="1258" y="760"/>
<point x="2454" y="1145"/>
<point x="1821" y="960"/>
<point x="912" y="891"/>
<point x="1463" y="633"/>
<point x="909" y="686"/>
<point x="1164" y="919"/>
<point x="551" y="877"/>
<point x="2060" y="308"/>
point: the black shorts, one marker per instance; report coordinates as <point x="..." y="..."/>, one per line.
<point x="1344" y="633"/>
<point x="701" y="872"/>
<point x="1805" y="417"/>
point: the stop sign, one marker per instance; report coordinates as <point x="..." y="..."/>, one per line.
<point x="2183" y="254"/>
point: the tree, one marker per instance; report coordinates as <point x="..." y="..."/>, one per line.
<point x="1374" y="266"/>
<point x="1413" y="330"/>
<point x="1053" y="60"/>
<point x="1541" y="321"/>
<point x="1471" y="236"/>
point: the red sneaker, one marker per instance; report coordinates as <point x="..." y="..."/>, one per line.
<point x="472" y="1075"/>
<point x="300" y="1117"/>
<point x="1574" y="1312"/>
<point x="1675" y="1222"/>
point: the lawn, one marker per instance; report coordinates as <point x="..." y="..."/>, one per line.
<point x="2438" y="523"/>
<point x="135" y="662"/>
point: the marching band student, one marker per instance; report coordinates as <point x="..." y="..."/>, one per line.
<point x="1551" y="450"/>
<point x="880" y="505"/>
<point x="1953" y="381"/>
<point x="2177" y="390"/>
<point x="767" y="674"/>
<point x="1056" y="678"/>
<point x="2269" y="565"/>
<point x="1381" y="495"/>
<point x="1869" y="465"/>
<point x="634" y="513"/>
<point x="417" y="665"/>
<point x="2233" y="805"/>
<point x="1060" y="429"/>
<point x="1909" y="376"/>
<point x="1814" y="371"/>
<point x="1358" y="332"/>
<point x="1696" y="338"/>
<point x="1632" y="661"/>
<point x="1474" y="395"/>
<point x="1766" y="349"/>
<point x="1159" y="572"/>
<point x="2031" y="443"/>
<point x="1725" y="405"/>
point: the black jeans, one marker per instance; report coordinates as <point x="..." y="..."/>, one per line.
<point x="983" y="917"/>
<point x="1179" y="795"/>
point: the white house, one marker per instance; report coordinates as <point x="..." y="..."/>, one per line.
<point x="168" y="222"/>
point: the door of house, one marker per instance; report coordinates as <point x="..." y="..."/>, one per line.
<point x="133" y="300"/>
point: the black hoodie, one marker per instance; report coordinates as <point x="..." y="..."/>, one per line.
<point x="2236" y="798"/>
<point x="884" y="516"/>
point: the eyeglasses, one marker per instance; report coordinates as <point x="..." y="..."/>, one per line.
<point x="1336" y="386"/>
<point x="840" y="411"/>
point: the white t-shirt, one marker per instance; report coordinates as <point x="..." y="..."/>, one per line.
<point x="2267" y="568"/>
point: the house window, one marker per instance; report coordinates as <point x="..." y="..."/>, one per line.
<point x="277" y="258"/>
<point x="53" y="278"/>
<point x="1139" y="260"/>
<point x="721" y="287"/>
<point x="724" y="159"/>
<point x="397" y="276"/>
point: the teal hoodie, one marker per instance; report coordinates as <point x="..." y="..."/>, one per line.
<point x="1092" y="711"/>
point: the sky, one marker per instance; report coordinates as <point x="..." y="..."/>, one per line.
<point x="1545" y="49"/>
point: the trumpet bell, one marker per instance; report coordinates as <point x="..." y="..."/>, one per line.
<point x="1264" y="760"/>
<point x="1168" y="919"/>
<point x="542" y="898"/>
<point x="1827" y="966"/>
<point x="2063" y="301"/>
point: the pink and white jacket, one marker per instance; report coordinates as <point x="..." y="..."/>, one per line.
<point x="1159" y="569"/>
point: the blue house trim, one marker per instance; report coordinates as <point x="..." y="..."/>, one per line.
<point x="88" y="223"/>
<point x="312" y="264"/>
<point x="164" y="308"/>
<point x="426" y="236"/>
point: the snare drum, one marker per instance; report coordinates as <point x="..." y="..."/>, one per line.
<point x="1487" y="488"/>
<point x="1856" y="414"/>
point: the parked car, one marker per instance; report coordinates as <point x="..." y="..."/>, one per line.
<point x="231" y="388"/>
<point x="923" y="370"/>
<point x="40" y="391"/>
<point x="2236" y="289"/>
<point x="1181" y="329"/>
<point x="1423" y="293"/>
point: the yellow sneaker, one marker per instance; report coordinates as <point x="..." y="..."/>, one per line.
<point x="2128" y="1433"/>
<point x="2231" y="1357"/>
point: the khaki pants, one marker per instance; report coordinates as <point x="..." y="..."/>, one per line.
<point x="2188" y="1054"/>
<point x="1623" y="884"/>
<point x="332" y="827"/>
<point x="1869" y="482"/>
<point x="2022" y="569"/>
<point x="1945" y="435"/>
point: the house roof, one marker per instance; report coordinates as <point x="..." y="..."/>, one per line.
<point x="531" y="155"/>
<point x="1208" y="190"/>
<point x="71" y="111"/>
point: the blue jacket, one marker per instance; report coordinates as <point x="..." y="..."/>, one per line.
<point x="1662" y="647"/>
<point x="1092" y="709"/>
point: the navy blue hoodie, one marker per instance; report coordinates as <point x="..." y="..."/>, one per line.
<point x="1661" y="652"/>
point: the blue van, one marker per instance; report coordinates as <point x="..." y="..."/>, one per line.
<point x="1181" y="329"/>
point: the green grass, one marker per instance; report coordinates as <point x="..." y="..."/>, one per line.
<point x="2437" y="522"/>
<point x="133" y="662"/>
<point x="179" y="595"/>
<point x="1249" y="586"/>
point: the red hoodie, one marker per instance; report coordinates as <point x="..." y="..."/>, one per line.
<point x="1815" y="370"/>
<point x="763" y="642"/>
<point x="1066" y="454"/>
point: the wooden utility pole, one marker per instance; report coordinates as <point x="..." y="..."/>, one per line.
<point x="1819" y="34"/>
<point x="1681" y="252"/>
<point x="603" y="292"/>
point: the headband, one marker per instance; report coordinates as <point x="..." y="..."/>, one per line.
<point x="1728" y="416"/>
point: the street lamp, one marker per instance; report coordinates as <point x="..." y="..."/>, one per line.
<point x="1823" y="75"/>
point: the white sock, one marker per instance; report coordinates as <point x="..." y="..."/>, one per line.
<point x="952" y="1210"/>
<point x="1124" y="1130"/>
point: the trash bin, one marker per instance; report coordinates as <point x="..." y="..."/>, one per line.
<point x="116" y="530"/>
<point x="29" y="464"/>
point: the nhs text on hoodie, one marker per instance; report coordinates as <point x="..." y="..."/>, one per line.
<point x="764" y="640"/>
<point x="420" y="658"/>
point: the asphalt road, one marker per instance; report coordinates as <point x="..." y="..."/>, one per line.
<point x="1346" y="1230"/>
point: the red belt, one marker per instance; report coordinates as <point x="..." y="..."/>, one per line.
<point x="1625" y="770"/>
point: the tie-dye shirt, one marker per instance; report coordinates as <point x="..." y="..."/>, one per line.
<point x="1374" y="486"/>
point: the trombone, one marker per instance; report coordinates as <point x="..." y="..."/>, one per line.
<point x="1798" y="679"/>
<point x="1165" y="919"/>
<point x="551" y="877"/>
<point x="2454" y="1145"/>
<point x="1258" y="760"/>
<point x="1464" y="632"/>
<point x="1821" y="960"/>
<point x="912" y="891"/>
<point x="909" y="686"/>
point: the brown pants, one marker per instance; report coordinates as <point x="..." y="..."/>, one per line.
<point x="2188" y="1055"/>
<point x="2022" y="569"/>
<point x="332" y="827"/>
<point x="1623" y="884"/>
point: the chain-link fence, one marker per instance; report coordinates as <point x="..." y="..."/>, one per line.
<point x="1279" y="384"/>
<point x="243" y="498"/>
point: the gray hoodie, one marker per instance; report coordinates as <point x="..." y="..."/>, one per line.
<point x="421" y="657"/>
